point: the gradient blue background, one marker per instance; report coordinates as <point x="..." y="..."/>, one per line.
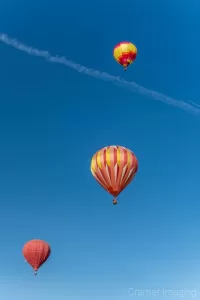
<point x="52" y="120"/>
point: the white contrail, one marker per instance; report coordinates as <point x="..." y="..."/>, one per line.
<point x="194" y="103"/>
<point x="97" y="74"/>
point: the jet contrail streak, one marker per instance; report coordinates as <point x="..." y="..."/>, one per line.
<point x="97" y="74"/>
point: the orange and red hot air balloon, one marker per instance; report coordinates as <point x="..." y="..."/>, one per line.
<point x="125" y="53"/>
<point x="114" y="167"/>
<point x="36" y="252"/>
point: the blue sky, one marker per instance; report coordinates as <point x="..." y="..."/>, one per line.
<point x="53" y="120"/>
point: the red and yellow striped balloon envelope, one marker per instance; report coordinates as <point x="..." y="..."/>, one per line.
<point x="114" y="167"/>
<point x="125" y="53"/>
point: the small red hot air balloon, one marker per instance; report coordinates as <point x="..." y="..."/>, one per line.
<point x="114" y="167"/>
<point x="36" y="252"/>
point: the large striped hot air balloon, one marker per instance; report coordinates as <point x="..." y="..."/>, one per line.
<point x="125" y="53"/>
<point x="36" y="252"/>
<point x="114" y="167"/>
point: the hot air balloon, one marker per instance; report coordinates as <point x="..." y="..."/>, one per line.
<point x="114" y="167"/>
<point x="36" y="252"/>
<point x="125" y="53"/>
